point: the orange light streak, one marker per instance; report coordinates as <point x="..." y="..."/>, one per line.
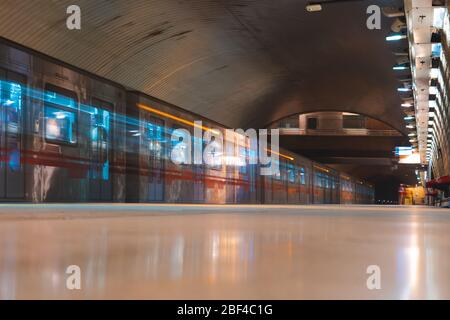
<point x="171" y="116"/>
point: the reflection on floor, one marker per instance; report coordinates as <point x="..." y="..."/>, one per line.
<point x="236" y="252"/>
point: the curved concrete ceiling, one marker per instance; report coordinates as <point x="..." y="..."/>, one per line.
<point x="240" y="62"/>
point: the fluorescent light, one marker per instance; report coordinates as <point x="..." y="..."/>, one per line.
<point x="438" y="17"/>
<point x="399" y="68"/>
<point x="406" y="105"/>
<point x="432" y="90"/>
<point x="314" y="7"/>
<point x="403" y="89"/>
<point x="395" y="37"/>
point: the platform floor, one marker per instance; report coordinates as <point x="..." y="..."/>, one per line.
<point x="223" y="252"/>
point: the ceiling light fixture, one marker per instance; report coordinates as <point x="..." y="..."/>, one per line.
<point x="314" y="7"/>
<point x="400" y="68"/>
<point x="317" y="6"/>
<point x="395" y="37"/>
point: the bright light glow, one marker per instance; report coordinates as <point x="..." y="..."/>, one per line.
<point x="395" y="37"/>
<point x="170" y="116"/>
<point x="438" y="17"/>
<point x="410" y="126"/>
<point x="234" y="161"/>
<point x="400" y="68"/>
<point x="280" y="154"/>
<point x="9" y="102"/>
<point x="52" y="128"/>
<point x="406" y="105"/>
<point x="411" y="134"/>
<point x="403" y="151"/>
<point x="60" y="115"/>
<point x="313" y="7"/>
<point x="403" y="89"/>
<point x="436" y="49"/>
<point x="409" y="118"/>
<point x="434" y="73"/>
<point x="413" y="158"/>
<point x="433" y="90"/>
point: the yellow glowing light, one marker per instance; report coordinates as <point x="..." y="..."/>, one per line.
<point x="320" y="168"/>
<point x="171" y="116"/>
<point x="280" y="154"/>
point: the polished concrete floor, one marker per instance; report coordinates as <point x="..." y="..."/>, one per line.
<point x="223" y="252"/>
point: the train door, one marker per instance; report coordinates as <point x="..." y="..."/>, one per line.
<point x="316" y="186"/>
<point x="245" y="179"/>
<point x="199" y="175"/>
<point x="307" y="185"/>
<point x="291" y="193"/>
<point x="199" y="186"/>
<point x="266" y="185"/>
<point x="156" y="139"/>
<point x="253" y="180"/>
<point x="12" y="178"/>
<point x="326" y="188"/>
<point x="321" y="188"/>
<point x="303" y="196"/>
<point x="336" y="190"/>
<point x="330" y="188"/>
<point x="100" y="184"/>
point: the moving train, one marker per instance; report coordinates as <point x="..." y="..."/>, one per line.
<point x="69" y="136"/>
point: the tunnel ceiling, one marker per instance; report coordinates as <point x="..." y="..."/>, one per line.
<point x="244" y="63"/>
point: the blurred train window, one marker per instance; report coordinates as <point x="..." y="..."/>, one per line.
<point x="311" y="123"/>
<point x="101" y="138"/>
<point x="10" y="121"/>
<point x="291" y="173"/>
<point x="213" y="153"/>
<point x="155" y="135"/>
<point x="60" y="113"/>
<point x="243" y="159"/>
<point x="302" y="176"/>
<point x="181" y="143"/>
<point x="277" y="174"/>
<point x="318" y="180"/>
<point x="12" y="104"/>
<point x="60" y="125"/>
<point x="353" y="121"/>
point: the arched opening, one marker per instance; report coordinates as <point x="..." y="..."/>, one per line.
<point x="333" y="122"/>
<point x="350" y="142"/>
